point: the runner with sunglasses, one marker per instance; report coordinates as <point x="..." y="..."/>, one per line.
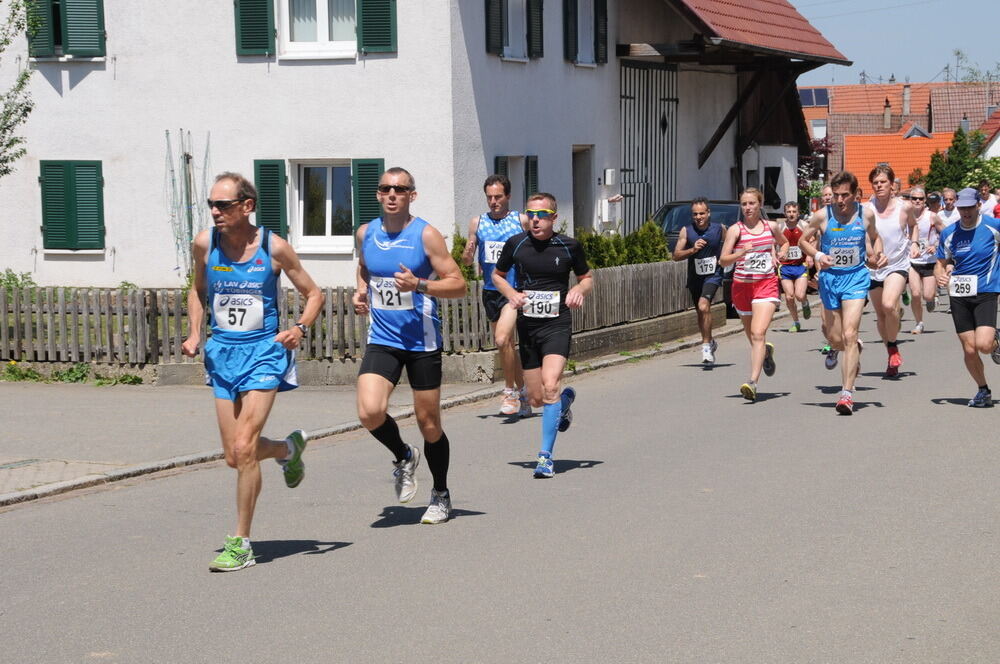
<point x="398" y="254"/>
<point x="750" y="246"/>
<point x="923" y="285"/>
<point x="487" y="234"/>
<point x="237" y="268"/>
<point x="543" y="260"/>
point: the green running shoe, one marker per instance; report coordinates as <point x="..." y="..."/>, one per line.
<point x="294" y="469"/>
<point x="233" y="556"/>
<point x="906" y="298"/>
<point x="806" y="310"/>
<point x="796" y="327"/>
<point x="825" y="349"/>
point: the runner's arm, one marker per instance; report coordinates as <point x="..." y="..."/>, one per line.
<point x="196" y="296"/>
<point x="681" y="250"/>
<point x="290" y="264"/>
<point x="876" y="257"/>
<point x="809" y="241"/>
<point x="449" y="282"/>
<point x="781" y="242"/>
<point x="360" y="297"/>
<point x="469" y="255"/>
<point x="584" y="280"/>
<point x="729" y="254"/>
<point x="503" y="265"/>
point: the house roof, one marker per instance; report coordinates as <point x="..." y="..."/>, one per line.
<point x="991" y="127"/>
<point x="766" y="25"/>
<point x="870" y="97"/>
<point x="862" y="152"/>
<point x="950" y="105"/>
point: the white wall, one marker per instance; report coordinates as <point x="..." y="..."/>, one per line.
<point x="786" y="157"/>
<point x="706" y="94"/>
<point x="394" y="106"/>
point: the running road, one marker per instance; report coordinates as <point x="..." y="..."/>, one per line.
<point x="683" y="525"/>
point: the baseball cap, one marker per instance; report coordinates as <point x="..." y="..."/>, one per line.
<point x="968" y="197"/>
<point x="934" y="197"/>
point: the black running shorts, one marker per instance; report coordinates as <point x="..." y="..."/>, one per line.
<point x="538" y="340"/>
<point x="878" y="284"/>
<point x="423" y="368"/>
<point x="968" y="313"/>
<point x="493" y="303"/>
<point x="705" y="289"/>
<point x="923" y="269"/>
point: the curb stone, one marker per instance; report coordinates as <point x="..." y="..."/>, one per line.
<point x="49" y="490"/>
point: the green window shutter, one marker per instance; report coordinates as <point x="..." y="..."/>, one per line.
<point x="365" y="174"/>
<point x="88" y="186"/>
<point x="41" y="36"/>
<point x="536" y="35"/>
<point x="254" y="27"/>
<point x="72" y="205"/>
<point x="272" y="205"/>
<point x="377" y="26"/>
<point x="496" y="17"/>
<point x="601" y="31"/>
<point x="82" y="27"/>
<point x="530" y="176"/>
<point x="570" y="30"/>
<point x="500" y="166"/>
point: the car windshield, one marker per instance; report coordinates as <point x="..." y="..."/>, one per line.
<point x="677" y="217"/>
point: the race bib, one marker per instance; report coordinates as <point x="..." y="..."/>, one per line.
<point x="541" y="304"/>
<point x="238" y="313"/>
<point x="923" y="246"/>
<point x="794" y="254"/>
<point x="705" y="266"/>
<point x="759" y="262"/>
<point x="845" y="256"/>
<point x="492" y="251"/>
<point x="385" y="295"/>
<point x="963" y="285"/>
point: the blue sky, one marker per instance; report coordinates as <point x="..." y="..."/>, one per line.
<point x="912" y="40"/>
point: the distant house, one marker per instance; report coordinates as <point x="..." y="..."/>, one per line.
<point x="991" y="130"/>
<point x="907" y="150"/>
<point x="655" y="99"/>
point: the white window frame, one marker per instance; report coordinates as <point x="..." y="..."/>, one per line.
<point x="586" y="33"/>
<point x="816" y="125"/>
<point x="328" y="244"/>
<point x="317" y="50"/>
<point x="515" y="38"/>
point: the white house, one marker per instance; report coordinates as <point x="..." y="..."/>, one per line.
<point x="139" y="105"/>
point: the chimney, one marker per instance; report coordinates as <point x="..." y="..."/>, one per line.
<point x="930" y="119"/>
<point x="892" y="78"/>
<point x="906" y="99"/>
<point x="887" y="115"/>
<point x="965" y="123"/>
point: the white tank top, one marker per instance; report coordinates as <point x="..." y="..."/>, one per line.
<point x="895" y="242"/>
<point x="928" y="236"/>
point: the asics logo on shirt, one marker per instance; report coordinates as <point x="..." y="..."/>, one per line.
<point x="399" y="243"/>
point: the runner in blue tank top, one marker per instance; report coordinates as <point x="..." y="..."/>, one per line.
<point x="398" y="258"/>
<point x="848" y="230"/>
<point x="967" y="266"/>
<point x="247" y="359"/>
<point x="487" y="234"/>
<point x="700" y="243"/>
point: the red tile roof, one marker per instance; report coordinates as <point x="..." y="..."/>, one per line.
<point x="862" y="152"/>
<point x="950" y="105"/>
<point x="870" y="97"/>
<point x="765" y="24"/>
<point x="991" y="127"/>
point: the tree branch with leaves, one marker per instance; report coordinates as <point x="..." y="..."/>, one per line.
<point x="15" y="102"/>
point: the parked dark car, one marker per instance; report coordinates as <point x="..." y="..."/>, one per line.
<point x="673" y="216"/>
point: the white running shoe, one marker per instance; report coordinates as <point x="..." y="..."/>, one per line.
<point x="511" y="401"/>
<point x="707" y="356"/>
<point x="439" y="509"/>
<point x="406" y="481"/>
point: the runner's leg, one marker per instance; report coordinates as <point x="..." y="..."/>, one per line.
<point x="789" y="287"/>
<point x="916" y="297"/>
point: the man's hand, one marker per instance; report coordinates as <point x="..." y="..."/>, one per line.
<point x="190" y="345"/>
<point x="516" y="301"/>
<point x="289" y="338"/>
<point x="406" y="281"/>
<point x="944" y="278"/>
<point x="360" y="302"/>
<point x="574" y="298"/>
<point x="699" y="244"/>
<point x="825" y="261"/>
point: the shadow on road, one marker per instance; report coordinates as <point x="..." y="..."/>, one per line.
<point x="398" y="515"/>
<point x="268" y="550"/>
<point x="509" y="419"/>
<point x="858" y="405"/>
<point x="708" y="367"/>
<point x="951" y="401"/>
<point x="831" y="389"/>
<point x="761" y="396"/>
<point x="881" y="374"/>
<point x="560" y="465"/>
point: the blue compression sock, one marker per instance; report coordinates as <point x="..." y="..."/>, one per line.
<point x="550" y="426"/>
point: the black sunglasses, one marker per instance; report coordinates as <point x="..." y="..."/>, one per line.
<point x="222" y="205"/>
<point x="400" y="188"/>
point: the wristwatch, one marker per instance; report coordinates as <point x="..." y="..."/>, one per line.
<point x="302" y="328"/>
<point x="421" y="285"/>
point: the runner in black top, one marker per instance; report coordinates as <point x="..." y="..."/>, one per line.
<point x="543" y="297"/>
<point x="700" y="243"/>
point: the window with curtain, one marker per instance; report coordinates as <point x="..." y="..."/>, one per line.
<point x="318" y="28"/>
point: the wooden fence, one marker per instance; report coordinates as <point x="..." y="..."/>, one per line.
<point x="148" y="326"/>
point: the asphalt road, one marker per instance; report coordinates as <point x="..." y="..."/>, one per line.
<point x="683" y="525"/>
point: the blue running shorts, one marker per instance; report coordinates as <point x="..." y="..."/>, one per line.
<point x="261" y="365"/>
<point x="836" y="287"/>
<point x="792" y="272"/>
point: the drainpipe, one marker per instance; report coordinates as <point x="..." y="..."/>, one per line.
<point x="887" y="115"/>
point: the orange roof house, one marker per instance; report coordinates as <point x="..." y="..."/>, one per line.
<point x="863" y="151"/>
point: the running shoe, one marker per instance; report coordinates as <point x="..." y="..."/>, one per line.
<point x="769" y="365"/>
<point x="749" y="390"/>
<point x="918" y="328"/>
<point x="715" y="346"/>
<point x="511" y="401"/>
<point x="544" y="467"/>
<point x="895" y="361"/>
<point x="995" y="354"/>
<point x="567" y="398"/>
<point x="439" y="509"/>
<point x="406" y="481"/>
<point x="831" y="359"/>
<point x="931" y="304"/>
<point x="825" y="349"/>
<point x="233" y="556"/>
<point x="525" y="407"/>
<point x="983" y="399"/>
<point x="294" y="469"/>
<point x="906" y="298"/>
<point x="806" y="311"/>
<point x="796" y="327"/>
<point x="845" y="405"/>
<point x="707" y="356"/>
